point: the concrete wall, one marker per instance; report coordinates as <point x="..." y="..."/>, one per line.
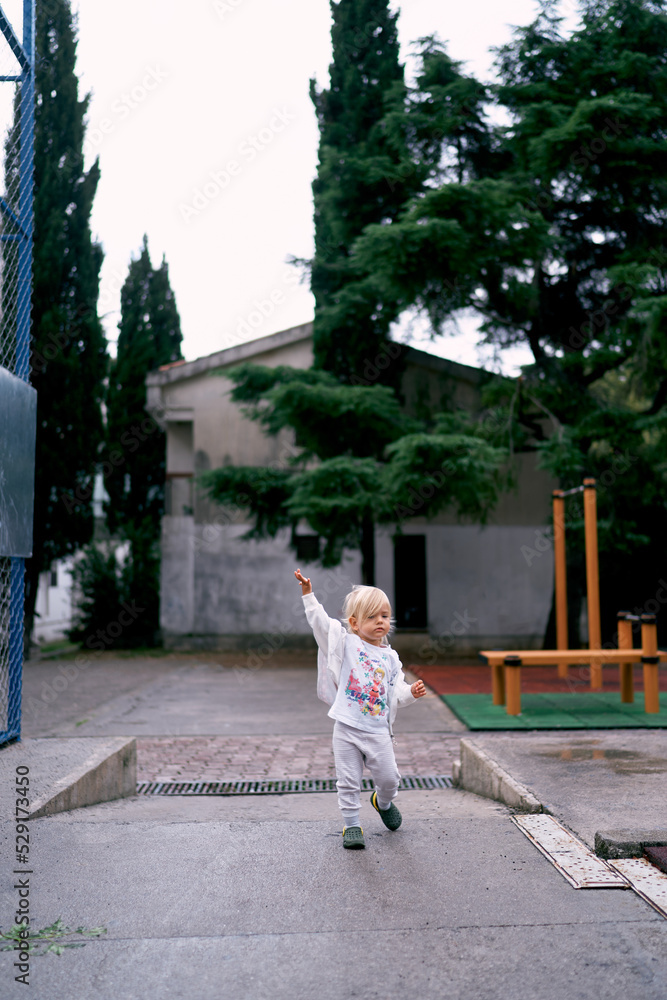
<point x="221" y="591"/>
<point x="177" y="576"/>
<point x="225" y="590"/>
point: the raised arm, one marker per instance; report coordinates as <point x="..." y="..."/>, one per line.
<point x="327" y="631"/>
<point x="329" y="635"/>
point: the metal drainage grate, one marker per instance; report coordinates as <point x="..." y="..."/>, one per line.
<point x="272" y="786"/>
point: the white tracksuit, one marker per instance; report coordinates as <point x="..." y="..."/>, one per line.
<point x="364" y="685"/>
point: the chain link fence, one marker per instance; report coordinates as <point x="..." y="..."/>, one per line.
<point x="17" y="20"/>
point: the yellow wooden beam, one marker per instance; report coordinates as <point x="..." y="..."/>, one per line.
<point x="552" y="657"/>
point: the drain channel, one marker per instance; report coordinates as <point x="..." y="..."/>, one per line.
<point x="279" y="786"/>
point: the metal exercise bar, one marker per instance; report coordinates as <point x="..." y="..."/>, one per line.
<point x="592" y="574"/>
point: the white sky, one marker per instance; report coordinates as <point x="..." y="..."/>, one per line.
<point x="178" y="92"/>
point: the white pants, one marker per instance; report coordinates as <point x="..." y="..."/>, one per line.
<point x="352" y="748"/>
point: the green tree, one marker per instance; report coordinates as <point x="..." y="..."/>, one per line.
<point x="551" y="227"/>
<point x="360" y="462"/>
<point x="364" y="175"/>
<point x="149" y="336"/>
<point x="68" y="346"/>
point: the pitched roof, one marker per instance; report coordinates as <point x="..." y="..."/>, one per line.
<point x="229" y="355"/>
<point x="181" y="370"/>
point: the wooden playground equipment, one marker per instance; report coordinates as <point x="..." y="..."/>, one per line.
<point x="506" y="664"/>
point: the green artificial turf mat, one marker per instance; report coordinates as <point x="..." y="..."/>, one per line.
<point x="586" y="710"/>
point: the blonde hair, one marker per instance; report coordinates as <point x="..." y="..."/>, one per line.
<point x="364" y="602"/>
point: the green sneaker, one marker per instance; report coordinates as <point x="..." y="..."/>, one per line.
<point x="353" y="837"/>
<point x="391" y="817"/>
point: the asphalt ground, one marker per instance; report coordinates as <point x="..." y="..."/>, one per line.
<point x="191" y="695"/>
<point x="253" y="897"/>
<point x="593" y="781"/>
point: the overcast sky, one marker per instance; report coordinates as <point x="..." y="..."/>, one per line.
<point x="207" y="142"/>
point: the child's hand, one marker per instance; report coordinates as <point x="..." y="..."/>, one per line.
<point x="306" y="586"/>
<point x="418" y="689"/>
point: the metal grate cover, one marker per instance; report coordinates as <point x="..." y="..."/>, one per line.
<point x="279" y="786"/>
<point x="647" y="880"/>
<point x="571" y="857"/>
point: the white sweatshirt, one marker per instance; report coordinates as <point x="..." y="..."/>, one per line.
<point x="335" y="644"/>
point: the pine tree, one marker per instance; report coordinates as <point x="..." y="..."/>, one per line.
<point x="364" y="175"/>
<point x="552" y="228"/>
<point x="68" y="346"/>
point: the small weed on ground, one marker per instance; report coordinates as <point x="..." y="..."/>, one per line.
<point x="50" y="940"/>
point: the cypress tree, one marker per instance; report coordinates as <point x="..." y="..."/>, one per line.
<point x="149" y="336"/>
<point x="68" y="346"/>
<point x="364" y="175"/>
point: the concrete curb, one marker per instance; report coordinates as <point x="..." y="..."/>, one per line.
<point x="481" y="774"/>
<point x="612" y="844"/>
<point x="108" y="772"/>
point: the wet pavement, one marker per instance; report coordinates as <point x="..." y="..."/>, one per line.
<point x="192" y="695"/>
<point x="593" y="781"/>
<point x="253" y="897"/>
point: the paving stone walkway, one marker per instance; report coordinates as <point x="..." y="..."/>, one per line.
<point x="237" y="758"/>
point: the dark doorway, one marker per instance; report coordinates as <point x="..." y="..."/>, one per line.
<point x="307" y="547"/>
<point x="410" y="581"/>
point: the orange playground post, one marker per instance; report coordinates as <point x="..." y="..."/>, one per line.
<point x="592" y="575"/>
<point x="592" y="579"/>
<point x="625" y="619"/>
<point x="650" y="661"/>
<point x="560" y="576"/>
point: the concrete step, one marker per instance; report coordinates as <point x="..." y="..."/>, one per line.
<point x="72" y="772"/>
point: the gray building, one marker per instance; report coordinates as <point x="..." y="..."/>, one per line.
<point x="454" y="587"/>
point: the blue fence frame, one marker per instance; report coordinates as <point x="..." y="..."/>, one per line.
<point x="22" y="233"/>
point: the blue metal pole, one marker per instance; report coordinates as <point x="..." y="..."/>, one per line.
<point x="15" y="650"/>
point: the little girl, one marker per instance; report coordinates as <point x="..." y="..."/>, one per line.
<point x="360" y="676"/>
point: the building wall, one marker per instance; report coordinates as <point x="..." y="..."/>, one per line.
<point x="208" y="430"/>
<point x="482" y="591"/>
<point x="431" y="384"/>
<point x="53" y="604"/>
<point x="220" y="590"/>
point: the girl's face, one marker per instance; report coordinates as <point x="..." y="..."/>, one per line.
<point x="374" y="628"/>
